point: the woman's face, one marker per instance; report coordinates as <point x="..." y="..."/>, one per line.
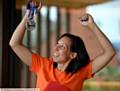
<point x="61" y="51"/>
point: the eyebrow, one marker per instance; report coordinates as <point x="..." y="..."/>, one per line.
<point x="61" y="43"/>
<point x="64" y="44"/>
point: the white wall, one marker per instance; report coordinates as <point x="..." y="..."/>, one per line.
<point x="108" y="14"/>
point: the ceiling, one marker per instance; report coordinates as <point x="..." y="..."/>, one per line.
<point x="63" y="3"/>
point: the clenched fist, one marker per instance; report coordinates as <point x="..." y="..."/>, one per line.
<point x="86" y="20"/>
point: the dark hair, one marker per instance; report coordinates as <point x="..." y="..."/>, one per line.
<point x="82" y="59"/>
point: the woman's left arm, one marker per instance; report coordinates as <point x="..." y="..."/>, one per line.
<point x="108" y="51"/>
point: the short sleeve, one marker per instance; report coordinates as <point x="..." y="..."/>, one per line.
<point x="89" y="73"/>
<point x="36" y="63"/>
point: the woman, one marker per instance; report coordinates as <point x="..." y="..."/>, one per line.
<point x="69" y="65"/>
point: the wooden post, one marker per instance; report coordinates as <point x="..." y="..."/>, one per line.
<point x="67" y="21"/>
<point x="1" y="12"/>
<point x="10" y="67"/>
<point x="48" y="33"/>
<point x="58" y="24"/>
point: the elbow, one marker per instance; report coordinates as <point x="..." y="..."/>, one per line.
<point x="10" y="44"/>
<point x="13" y="44"/>
<point x="112" y="52"/>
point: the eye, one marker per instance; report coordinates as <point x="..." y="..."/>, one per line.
<point x="61" y="46"/>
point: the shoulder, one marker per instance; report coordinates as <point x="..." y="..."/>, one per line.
<point x="38" y="58"/>
<point x="40" y="62"/>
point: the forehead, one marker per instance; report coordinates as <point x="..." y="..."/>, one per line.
<point x="64" y="40"/>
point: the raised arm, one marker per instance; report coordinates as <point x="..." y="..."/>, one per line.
<point x="108" y="51"/>
<point x="16" y="42"/>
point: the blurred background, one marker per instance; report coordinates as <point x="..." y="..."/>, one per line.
<point x="55" y="18"/>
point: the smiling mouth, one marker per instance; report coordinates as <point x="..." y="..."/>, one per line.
<point x="56" y="55"/>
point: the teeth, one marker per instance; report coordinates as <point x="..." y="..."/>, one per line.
<point x="56" y="54"/>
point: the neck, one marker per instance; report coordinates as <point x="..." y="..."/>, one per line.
<point x="62" y="66"/>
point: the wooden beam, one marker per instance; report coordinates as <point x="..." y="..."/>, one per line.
<point x="63" y="3"/>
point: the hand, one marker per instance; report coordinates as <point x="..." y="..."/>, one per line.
<point x="86" y="20"/>
<point x="32" y="9"/>
<point x="31" y="6"/>
<point x="38" y="5"/>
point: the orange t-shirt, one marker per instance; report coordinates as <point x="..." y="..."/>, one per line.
<point x="51" y="79"/>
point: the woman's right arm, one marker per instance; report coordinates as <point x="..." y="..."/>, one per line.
<point x="16" y="42"/>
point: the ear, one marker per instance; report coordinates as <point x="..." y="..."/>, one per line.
<point x="73" y="55"/>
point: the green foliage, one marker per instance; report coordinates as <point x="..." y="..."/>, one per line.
<point x="108" y="74"/>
